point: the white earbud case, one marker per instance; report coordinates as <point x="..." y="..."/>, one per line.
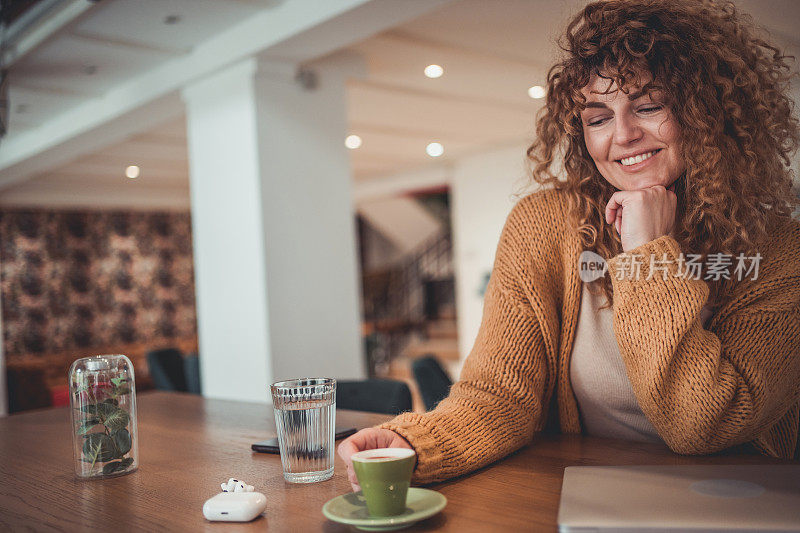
<point x="235" y="506"/>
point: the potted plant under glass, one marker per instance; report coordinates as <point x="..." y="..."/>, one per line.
<point x="103" y="402"/>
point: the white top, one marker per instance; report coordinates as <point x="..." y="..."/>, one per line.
<point x="607" y="405"/>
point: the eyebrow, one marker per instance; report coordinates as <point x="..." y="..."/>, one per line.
<point x="631" y="97"/>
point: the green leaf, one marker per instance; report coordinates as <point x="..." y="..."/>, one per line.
<point x="119" y="391"/>
<point x="114" y="418"/>
<point x="86" y="425"/>
<point x="112" y="401"/>
<point x="100" y="410"/>
<point x="122" y="441"/>
<point x="117" y="380"/>
<point x="98" y="447"/>
<point x="117" y="466"/>
<point x="90" y="408"/>
<point x="110" y="468"/>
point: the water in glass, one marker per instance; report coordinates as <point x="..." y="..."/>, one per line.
<point x="305" y="417"/>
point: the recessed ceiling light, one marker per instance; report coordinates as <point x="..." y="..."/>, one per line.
<point x="172" y="19"/>
<point x="352" y="141"/>
<point x="434" y="71"/>
<point x="132" y="172"/>
<point x="537" y="91"/>
<point x="434" y="149"/>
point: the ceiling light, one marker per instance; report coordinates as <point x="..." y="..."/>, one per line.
<point x="434" y="149"/>
<point x="537" y="91"/>
<point x="132" y="172"/>
<point x="352" y="141"/>
<point x="434" y="71"/>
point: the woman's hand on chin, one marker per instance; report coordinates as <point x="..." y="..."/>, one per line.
<point x="642" y="215"/>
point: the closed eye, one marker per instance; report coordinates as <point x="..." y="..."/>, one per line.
<point x="596" y="122"/>
<point x="650" y="109"/>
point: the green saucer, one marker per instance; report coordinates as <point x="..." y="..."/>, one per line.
<point x="352" y="509"/>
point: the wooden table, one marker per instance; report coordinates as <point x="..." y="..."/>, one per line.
<point x="188" y="446"/>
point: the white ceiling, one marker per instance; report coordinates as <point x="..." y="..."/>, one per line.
<point x="492" y="51"/>
<point x="114" y="41"/>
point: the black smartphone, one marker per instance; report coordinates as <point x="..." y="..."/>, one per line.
<point x="271" y="445"/>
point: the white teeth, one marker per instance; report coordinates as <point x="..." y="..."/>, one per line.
<point x="628" y="161"/>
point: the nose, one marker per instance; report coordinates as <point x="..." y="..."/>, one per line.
<point x="627" y="129"/>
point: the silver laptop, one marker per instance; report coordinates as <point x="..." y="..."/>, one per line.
<point x="707" y="498"/>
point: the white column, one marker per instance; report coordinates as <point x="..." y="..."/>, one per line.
<point x="228" y="235"/>
<point x="309" y="220"/>
<point x="274" y="230"/>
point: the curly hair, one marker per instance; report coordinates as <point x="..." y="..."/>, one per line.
<point x="725" y="86"/>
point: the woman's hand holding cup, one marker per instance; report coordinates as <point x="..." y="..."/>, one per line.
<point x="368" y="439"/>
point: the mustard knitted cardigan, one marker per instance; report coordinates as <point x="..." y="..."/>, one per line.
<point x="704" y="390"/>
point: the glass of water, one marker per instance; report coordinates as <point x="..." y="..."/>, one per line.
<point x="305" y="415"/>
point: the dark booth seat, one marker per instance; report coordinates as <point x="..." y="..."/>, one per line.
<point x="374" y="395"/>
<point x="432" y="380"/>
<point x="166" y="369"/>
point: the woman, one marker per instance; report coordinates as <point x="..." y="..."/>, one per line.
<point x="674" y="130"/>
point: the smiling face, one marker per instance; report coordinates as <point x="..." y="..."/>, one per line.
<point x="632" y="138"/>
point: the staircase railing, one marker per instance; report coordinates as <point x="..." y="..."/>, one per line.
<point x="394" y="300"/>
<point x="397" y="293"/>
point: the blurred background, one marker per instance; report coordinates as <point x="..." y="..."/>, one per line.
<point x="233" y="192"/>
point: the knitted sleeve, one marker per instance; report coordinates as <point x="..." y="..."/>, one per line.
<point x="705" y="390"/>
<point x="494" y="407"/>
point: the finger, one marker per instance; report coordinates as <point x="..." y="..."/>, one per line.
<point x="672" y="196"/>
<point x="614" y="203"/>
<point x="618" y="221"/>
<point x="384" y="438"/>
<point x="611" y="213"/>
<point x="399" y="442"/>
<point x="351" y="476"/>
<point x="347" y="448"/>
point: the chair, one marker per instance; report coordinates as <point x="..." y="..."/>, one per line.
<point x="27" y="388"/>
<point x="434" y="383"/>
<point x="385" y="396"/>
<point x="191" y="371"/>
<point x="166" y="369"/>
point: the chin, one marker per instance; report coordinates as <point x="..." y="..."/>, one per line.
<point x="631" y="184"/>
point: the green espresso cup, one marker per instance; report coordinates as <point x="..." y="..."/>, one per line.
<point x="384" y="475"/>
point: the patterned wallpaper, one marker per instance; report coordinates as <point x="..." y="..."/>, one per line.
<point x="74" y="279"/>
